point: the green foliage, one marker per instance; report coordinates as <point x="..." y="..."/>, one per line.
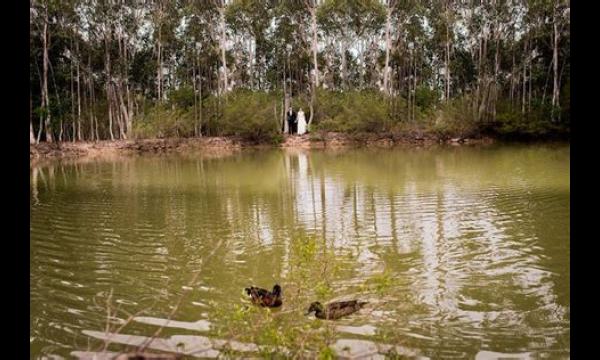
<point x="268" y="45"/>
<point x="323" y="290"/>
<point x="382" y="282"/>
<point x="252" y="116"/>
<point x="454" y="119"/>
<point x="537" y="122"/>
<point x="143" y="70"/>
<point x="304" y="250"/>
<point x="162" y="121"/>
<point x="566" y="105"/>
<point x="327" y="353"/>
<point x="40" y="111"/>
<point x="182" y="98"/>
<point x="351" y="17"/>
<point x="352" y="112"/>
<point x="426" y="98"/>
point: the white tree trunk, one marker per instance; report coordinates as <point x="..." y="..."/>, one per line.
<point x="79" y="138"/>
<point x="555" y="89"/>
<point x="195" y="94"/>
<point x="285" y="102"/>
<point x="108" y="87"/>
<point x="45" y="100"/>
<point x="31" y="137"/>
<point x="73" y="122"/>
<point x="223" y="43"/>
<point x="524" y="88"/>
<point x="496" y="72"/>
<point x="313" y="17"/>
<point x="252" y="55"/>
<point x="388" y="44"/>
<point x="159" y="67"/>
<point x="447" y="57"/>
<point x="344" y="45"/>
<point x="124" y="112"/>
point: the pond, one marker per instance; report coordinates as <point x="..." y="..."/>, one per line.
<point x="461" y="252"/>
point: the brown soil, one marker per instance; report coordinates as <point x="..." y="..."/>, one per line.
<point x="217" y="145"/>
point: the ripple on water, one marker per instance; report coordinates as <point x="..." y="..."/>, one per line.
<point x="468" y="257"/>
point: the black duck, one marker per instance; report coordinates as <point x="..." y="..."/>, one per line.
<point x="265" y="297"/>
<point x="335" y="310"/>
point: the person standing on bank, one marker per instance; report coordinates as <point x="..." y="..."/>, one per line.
<point x="292" y="121"/>
<point x="301" y="122"/>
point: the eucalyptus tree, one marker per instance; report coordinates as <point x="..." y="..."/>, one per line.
<point x="389" y="8"/>
<point x="352" y="22"/>
<point x="442" y="20"/>
<point x="252" y="18"/>
<point x="416" y="38"/>
<point x="221" y="6"/>
<point x="397" y="15"/>
<point x="312" y="6"/>
<point x="129" y="32"/>
<point x="40" y="19"/>
<point x="202" y="54"/>
<point x="335" y="18"/>
<point x="367" y="21"/>
<point x="32" y="47"/>
<point x="292" y="41"/>
<point x="164" y="19"/>
<point x="99" y="67"/>
<point x="560" y="15"/>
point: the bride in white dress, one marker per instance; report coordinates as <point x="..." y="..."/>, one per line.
<point x="301" y="122"/>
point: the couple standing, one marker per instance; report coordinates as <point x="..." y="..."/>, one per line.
<point x="296" y="122"/>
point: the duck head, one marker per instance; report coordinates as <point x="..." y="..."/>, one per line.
<point x="314" y="307"/>
<point x="276" y="290"/>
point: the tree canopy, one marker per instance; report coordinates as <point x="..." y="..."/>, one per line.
<point x="107" y="69"/>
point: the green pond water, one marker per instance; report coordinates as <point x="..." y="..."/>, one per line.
<point x="461" y="252"/>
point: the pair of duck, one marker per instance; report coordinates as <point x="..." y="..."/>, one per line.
<point x="331" y="311"/>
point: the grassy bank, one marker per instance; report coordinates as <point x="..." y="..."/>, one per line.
<point x="257" y="117"/>
<point x="246" y="118"/>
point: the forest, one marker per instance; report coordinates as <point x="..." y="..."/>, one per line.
<point x="131" y="69"/>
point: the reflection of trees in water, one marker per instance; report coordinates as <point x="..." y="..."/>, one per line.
<point x="470" y="248"/>
<point x="541" y="243"/>
<point x="436" y="220"/>
<point x="34" y="185"/>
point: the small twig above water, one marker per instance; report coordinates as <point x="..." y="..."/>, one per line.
<point x="130" y="317"/>
<point x="180" y="300"/>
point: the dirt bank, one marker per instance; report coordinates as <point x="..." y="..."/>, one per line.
<point x="219" y="144"/>
<point x="124" y="147"/>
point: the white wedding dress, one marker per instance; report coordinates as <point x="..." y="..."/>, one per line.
<point x="301" y="123"/>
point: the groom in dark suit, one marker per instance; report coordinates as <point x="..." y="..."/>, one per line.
<point x="292" y="120"/>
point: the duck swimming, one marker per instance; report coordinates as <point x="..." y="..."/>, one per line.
<point x="265" y="297"/>
<point x="335" y="310"/>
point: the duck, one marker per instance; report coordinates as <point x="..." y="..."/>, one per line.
<point x="265" y="297"/>
<point x="148" y="356"/>
<point x="335" y="310"/>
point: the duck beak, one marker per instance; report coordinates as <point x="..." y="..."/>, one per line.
<point x="307" y="313"/>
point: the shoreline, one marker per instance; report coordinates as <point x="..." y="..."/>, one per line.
<point x="216" y="145"/>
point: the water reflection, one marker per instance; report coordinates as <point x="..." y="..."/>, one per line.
<point x="471" y="244"/>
